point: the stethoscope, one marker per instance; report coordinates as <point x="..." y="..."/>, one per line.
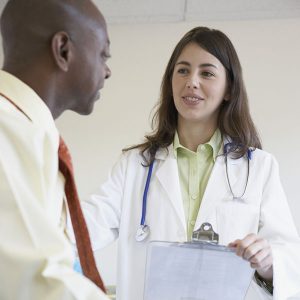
<point x="249" y="157"/>
<point x="143" y="230"/>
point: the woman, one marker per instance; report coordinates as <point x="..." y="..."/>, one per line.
<point x="208" y="166"/>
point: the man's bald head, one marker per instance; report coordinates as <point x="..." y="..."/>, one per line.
<point x="28" y="26"/>
<point x="59" y="48"/>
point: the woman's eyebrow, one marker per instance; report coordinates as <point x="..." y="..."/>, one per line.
<point x="201" y="65"/>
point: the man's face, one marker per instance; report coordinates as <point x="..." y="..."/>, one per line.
<point x="89" y="69"/>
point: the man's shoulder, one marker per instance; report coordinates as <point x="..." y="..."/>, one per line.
<point x="15" y="126"/>
<point x="23" y="140"/>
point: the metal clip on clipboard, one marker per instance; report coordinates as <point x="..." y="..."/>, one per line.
<point x="205" y="234"/>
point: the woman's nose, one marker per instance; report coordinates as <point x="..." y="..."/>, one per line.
<point x="192" y="83"/>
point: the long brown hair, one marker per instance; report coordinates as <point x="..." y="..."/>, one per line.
<point x="234" y="118"/>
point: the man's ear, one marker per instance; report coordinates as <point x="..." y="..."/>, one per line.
<point x="62" y="50"/>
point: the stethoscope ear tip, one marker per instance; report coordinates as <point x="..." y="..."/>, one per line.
<point x="228" y="146"/>
<point x="249" y="153"/>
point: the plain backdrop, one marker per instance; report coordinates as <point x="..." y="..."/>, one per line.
<point x="270" y="55"/>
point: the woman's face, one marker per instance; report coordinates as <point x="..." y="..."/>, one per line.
<point x="199" y="86"/>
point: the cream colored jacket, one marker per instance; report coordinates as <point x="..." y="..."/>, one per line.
<point x="36" y="259"/>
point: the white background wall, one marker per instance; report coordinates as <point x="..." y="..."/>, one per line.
<point x="270" y="55"/>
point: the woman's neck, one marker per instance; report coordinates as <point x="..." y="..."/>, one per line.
<point x="191" y="135"/>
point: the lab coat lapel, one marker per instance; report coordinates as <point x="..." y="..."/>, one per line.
<point x="167" y="175"/>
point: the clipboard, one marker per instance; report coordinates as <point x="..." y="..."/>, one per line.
<point x="197" y="270"/>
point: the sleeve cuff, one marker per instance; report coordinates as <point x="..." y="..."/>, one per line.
<point x="267" y="286"/>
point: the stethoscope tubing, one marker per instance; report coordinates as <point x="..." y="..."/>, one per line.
<point x="145" y="195"/>
<point x="228" y="180"/>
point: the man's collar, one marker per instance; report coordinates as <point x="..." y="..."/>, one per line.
<point x="26" y="99"/>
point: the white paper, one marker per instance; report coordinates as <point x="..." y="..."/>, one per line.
<point x="189" y="271"/>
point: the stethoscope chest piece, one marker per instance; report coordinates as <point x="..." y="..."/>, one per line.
<point x="142" y="233"/>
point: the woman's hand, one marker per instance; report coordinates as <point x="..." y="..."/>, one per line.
<point x="258" y="252"/>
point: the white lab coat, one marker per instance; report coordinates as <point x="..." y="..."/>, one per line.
<point x="116" y="212"/>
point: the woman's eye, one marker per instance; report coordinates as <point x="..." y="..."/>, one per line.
<point x="207" y="74"/>
<point x="182" y="71"/>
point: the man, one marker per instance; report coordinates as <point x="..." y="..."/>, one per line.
<point x="55" y="54"/>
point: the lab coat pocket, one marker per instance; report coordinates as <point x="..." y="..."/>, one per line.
<point x="236" y="219"/>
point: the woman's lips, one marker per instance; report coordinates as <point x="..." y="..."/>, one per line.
<point x="192" y="100"/>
